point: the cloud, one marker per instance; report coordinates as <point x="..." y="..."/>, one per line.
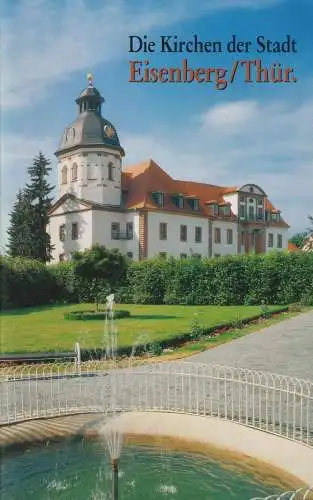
<point x="45" y="42"/>
<point x="229" y="116"/>
<point x="269" y="144"/>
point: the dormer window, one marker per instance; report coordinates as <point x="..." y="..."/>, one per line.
<point x="213" y="206"/>
<point x="194" y="203"/>
<point x="251" y="189"/>
<point x="158" y="198"/>
<point x="275" y="216"/>
<point x="225" y="210"/>
<point x="178" y="200"/>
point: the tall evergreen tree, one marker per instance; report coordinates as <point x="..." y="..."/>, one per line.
<point x="38" y="191"/>
<point x="20" y="229"/>
<point x="310" y="228"/>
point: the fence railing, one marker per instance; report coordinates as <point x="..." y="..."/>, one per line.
<point x="273" y="403"/>
<point x="300" y="494"/>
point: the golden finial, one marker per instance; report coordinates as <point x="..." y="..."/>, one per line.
<point x="90" y="78"/>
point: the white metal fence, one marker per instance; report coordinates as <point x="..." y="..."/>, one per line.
<point x="301" y="494"/>
<point x="273" y="403"/>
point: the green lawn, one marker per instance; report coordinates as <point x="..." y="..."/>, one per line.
<point x="45" y="329"/>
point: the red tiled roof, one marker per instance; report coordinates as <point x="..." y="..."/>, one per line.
<point x="292" y="247"/>
<point x="140" y="180"/>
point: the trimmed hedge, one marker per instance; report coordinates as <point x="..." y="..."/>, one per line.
<point x="90" y="315"/>
<point x="25" y="282"/>
<point x="276" y="278"/>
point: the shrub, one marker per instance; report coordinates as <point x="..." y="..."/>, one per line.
<point x="91" y="315"/>
<point x="25" y="282"/>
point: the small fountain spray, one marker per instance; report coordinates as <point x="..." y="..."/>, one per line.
<point x="113" y="437"/>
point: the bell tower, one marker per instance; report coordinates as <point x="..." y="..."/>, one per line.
<point x="90" y="154"/>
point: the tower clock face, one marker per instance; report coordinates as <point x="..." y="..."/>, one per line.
<point x="109" y="131"/>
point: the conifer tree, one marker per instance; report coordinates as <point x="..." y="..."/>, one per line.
<point x="20" y="230"/>
<point x="38" y="191"/>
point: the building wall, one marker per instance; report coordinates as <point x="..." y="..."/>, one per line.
<point x="172" y="245"/>
<point x="92" y="182"/>
<point x="223" y="248"/>
<point x="94" y="227"/>
<point x="101" y="230"/>
<point x="275" y="231"/>
<point x="84" y="220"/>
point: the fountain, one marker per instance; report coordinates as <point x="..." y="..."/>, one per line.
<point x="112" y="435"/>
<point x="145" y="397"/>
<point x="113" y="442"/>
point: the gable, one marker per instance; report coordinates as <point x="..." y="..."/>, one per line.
<point x="66" y="205"/>
<point x="252" y="189"/>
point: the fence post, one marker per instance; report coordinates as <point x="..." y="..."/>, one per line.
<point x="78" y="355"/>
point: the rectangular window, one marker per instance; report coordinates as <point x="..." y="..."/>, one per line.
<point x="129" y="230"/>
<point x="242" y="211"/>
<point x="183" y="256"/>
<point x="111" y="172"/>
<point x="214" y="208"/>
<point x="162" y="255"/>
<point x="229" y="236"/>
<point x="163" y="231"/>
<point x="198" y="234"/>
<point x="260" y="201"/>
<point x="270" y="240"/>
<point x="260" y="213"/>
<point x="217" y="235"/>
<point x="242" y="199"/>
<point x="242" y="237"/>
<point x="178" y="201"/>
<point x="196" y="205"/>
<point x="183" y="233"/>
<point x="251" y="212"/>
<point x="62" y="232"/>
<point x="130" y="255"/>
<point x="115" y="231"/>
<point x="279" y="241"/>
<point x="158" y="198"/>
<point x="74" y="231"/>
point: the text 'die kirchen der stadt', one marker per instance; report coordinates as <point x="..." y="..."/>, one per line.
<point x="252" y="61"/>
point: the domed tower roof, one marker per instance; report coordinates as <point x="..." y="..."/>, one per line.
<point x="90" y="128"/>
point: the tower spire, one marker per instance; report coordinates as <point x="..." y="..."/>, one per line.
<point x="90" y="79"/>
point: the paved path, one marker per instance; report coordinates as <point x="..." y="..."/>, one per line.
<point x="285" y="348"/>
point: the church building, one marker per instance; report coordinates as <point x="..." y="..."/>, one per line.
<point x="141" y="210"/>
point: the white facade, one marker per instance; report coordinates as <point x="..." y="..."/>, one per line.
<point x="91" y="175"/>
<point x="276" y="239"/>
<point x="172" y="245"/>
<point x="228" y="238"/>
<point x="93" y="227"/>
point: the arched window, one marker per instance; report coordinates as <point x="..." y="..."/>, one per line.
<point x="64" y="175"/>
<point x="74" y="172"/>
